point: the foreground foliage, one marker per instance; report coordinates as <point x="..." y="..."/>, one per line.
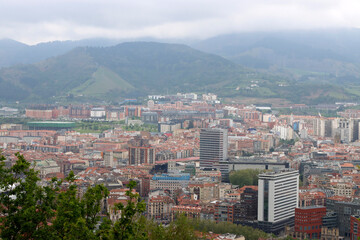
<point x="29" y="210"/>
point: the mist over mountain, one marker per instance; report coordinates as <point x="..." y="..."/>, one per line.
<point x="323" y="51"/>
<point x="13" y="52"/>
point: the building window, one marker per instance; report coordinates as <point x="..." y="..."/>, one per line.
<point x="266" y="200"/>
<point x="347" y="210"/>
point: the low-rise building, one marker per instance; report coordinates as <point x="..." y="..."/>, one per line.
<point x="159" y="207"/>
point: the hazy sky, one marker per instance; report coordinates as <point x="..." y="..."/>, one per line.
<point x="33" y="21"/>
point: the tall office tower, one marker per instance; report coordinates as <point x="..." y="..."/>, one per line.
<point x="277" y="199"/>
<point x="213" y="146"/>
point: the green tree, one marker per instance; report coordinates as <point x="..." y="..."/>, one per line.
<point x="180" y="229"/>
<point x="287" y="142"/>
<point x="33" y="211"/>
<point x="156" y="231"/>
<point x="245" y="177"/>
<point x="27" y="207"/>
<point x="77" y="213"/>
<point x="55" y="211"/>
<point x="129" y="226"/>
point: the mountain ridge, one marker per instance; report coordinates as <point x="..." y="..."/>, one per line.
<point x="146" y="67"/>
<point x="135" y="69"/>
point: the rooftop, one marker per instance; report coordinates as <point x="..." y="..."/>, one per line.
<point x="311" y="207"/>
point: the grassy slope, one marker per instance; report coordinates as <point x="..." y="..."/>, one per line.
<point x="102" y="82"/>
<point x="155" y="67"/>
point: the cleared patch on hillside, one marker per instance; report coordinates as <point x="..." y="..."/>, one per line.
<point x="102" y="82"/>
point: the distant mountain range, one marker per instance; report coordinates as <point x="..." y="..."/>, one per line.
<point x="13" y="52"/>
<point x="126" y="69"/>
<point x="299" y="54"/>
<point x="301" y="66"/>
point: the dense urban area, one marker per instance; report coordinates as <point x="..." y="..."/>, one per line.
<point x="192" y="156"/>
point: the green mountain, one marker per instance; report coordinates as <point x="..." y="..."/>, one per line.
<point x="141" y="68"/>
<point x="126" y="69"/>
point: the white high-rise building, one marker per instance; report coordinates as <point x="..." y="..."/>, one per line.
<point x="213" y="146"/>
<point x="277" y="199"/>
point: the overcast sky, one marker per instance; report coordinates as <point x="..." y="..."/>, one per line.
<point x="33" y="21"/>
